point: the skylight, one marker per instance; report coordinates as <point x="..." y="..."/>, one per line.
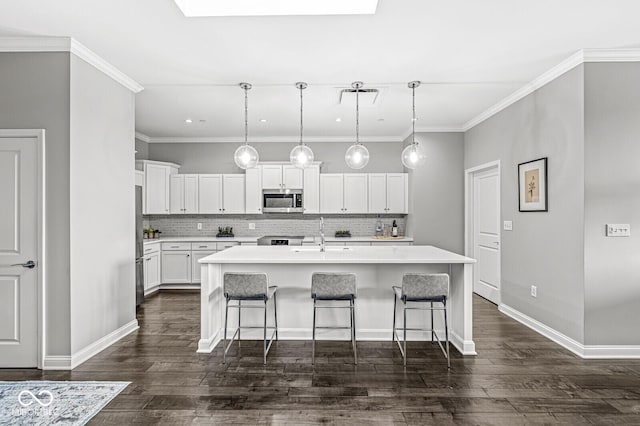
<point x="193" y="8"/>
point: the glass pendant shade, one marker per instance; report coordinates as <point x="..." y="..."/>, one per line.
<point x="301" y="156"/>
<point x="357" y="156"/>
<point x="246" y="157"/>
<point x="413" y="156"/>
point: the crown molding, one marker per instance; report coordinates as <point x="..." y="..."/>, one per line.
<point x="143" y="137"/>
<point x="578" y="58"/>
<point x="269" y="139"/>
<point x="68" y="44"/>
<point x="404" y="136"/>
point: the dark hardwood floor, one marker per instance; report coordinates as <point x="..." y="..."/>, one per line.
<point x="518" y="377"/>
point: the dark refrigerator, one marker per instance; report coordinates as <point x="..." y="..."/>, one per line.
<point x="139" y="249"/>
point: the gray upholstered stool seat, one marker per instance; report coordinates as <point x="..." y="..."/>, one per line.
<point x="429" y="288"/>
<point x="249" y="287"/>
<point x="334" y="286"/>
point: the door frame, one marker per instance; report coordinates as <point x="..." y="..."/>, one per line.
<point x="469" y="239"/>
<point x="39" y="135"/>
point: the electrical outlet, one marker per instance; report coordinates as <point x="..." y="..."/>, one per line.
<point x="534" y="291"/>
<point x="618" y="230"/>
<point x="199" y="227"/>
<point x="252" y="226"/>
<point x="508" y="225"/>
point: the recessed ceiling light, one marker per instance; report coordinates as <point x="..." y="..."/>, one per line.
<point x="380" y="119"/>
<point x="338" y="119"/>
<point x="263" y="120"/>
<point x="414" y="119"/>
<point x="203" y="121"/>
<point x="191" y="8"/>
<point x="188" y="121"/>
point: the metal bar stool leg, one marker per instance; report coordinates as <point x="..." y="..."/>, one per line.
<point x="405" y="333"/>
<point x="432" y="331"/>
<point x="393" y="331"/>
<point x="275" y="313"/>
<point x="239" y="310"/>
<point x="313" y="332"/>
<point x="265" y="332"/>
<point x="224" y="339"/>
<point x="353" y="331"/>
<point x="446" y="333"/>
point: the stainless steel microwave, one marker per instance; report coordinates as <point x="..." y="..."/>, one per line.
<point x="285" y="201"/>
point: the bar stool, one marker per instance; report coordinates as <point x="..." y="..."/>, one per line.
<point x="334" y="287"/>
<point x="430" y="288"/>
<point x="249" y="287"/>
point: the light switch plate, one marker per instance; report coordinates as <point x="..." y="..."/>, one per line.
<point x="507" y="225"/>
<point x="618" y="230"/>
<point x="252" y="226"/>
<point x="199" y="227"/>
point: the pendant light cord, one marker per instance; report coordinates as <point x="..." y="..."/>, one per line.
<point x="358" y="115"/>
<point x="413" y="121"/>
<point x="301" y="88"/>
<point x="246" y="115"/>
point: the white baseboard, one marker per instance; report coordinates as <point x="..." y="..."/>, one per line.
<point x="179" y="287"/>
<point x="56" y="362"/>
<point x="583" y="351"/>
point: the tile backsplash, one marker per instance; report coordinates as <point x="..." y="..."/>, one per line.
<point x="273" y="224"/>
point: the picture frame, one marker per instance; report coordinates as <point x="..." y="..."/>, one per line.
<point x="533" y="194"/>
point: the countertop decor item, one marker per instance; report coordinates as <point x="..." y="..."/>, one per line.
<point x="246" y="156"/>
<point x="357" y="155"/>
<point x="532" y="186"/>
<point x="301" y="155"/>
<point x="343" y="234"/>
<point x="225" y="232"/>
<point x="413" y="155"/>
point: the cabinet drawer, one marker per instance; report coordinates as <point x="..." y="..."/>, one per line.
<point x="204" y="246"/>
<point x="226" y="245"/>
<point x="176" y="246"/>
<point x="151" y="248"/>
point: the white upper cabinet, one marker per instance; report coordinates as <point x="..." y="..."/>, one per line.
<point x="253" y="190"/>
<point x="276" y="176"/>
<point x="210" y="194"/>
<point x="311" y="189"/>
<point x="388" y="193"/>
<point x="233" y="194"/>
<point x="355" y="193"/>
<point x="331" y="193"/>
<point x="157" y="187"/>
<point x="183" y="194"/>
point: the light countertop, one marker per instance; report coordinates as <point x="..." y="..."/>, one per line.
<point x="308" y="240"/>
<point x="361" y="254"/>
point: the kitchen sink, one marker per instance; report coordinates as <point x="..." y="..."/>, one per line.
<point x="317" y="249"/>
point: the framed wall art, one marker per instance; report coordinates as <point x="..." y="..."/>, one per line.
<point x="532" y="186"/>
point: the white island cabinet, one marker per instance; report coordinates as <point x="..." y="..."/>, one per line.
<point x="376" y="268"/>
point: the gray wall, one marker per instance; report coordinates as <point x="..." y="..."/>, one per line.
<point x="436" y="192"/>
<point x="142" y="149"/>
<point x="544" y="249"/>
<point x="218" y="157"/>
<point x="612" y="195"/>
<point x="34" y="94"/>
<point x="102" y="197"/>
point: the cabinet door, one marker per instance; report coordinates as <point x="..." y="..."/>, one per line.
<point x="271" y="176"/>
<point x="377" y="193"/>
<point x="233" y="194"/>
<point x="176" y="267"/>
<point x="152" y="271"/>
<point x="157" y="189"/>
<point x="355" y="193"/>
<point x="190" y="191"/>
<point x="292" y="177"/>
<point x="397" y="193"/>
<point x="176" y="194"/>
<point x="311" y="190"/>
<point x="210" y="194"/>
<point x="196" y="268"/>
<point x="253" y="190"/>
<point x="331" y="193"/>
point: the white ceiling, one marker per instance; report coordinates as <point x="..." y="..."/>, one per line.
<point x="469" y="54"/>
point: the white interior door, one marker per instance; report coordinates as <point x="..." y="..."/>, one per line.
<point x="18" y="246"/>
<point x="486" y="233"/>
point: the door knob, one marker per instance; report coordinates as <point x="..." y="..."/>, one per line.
<point x="30" y="264"/>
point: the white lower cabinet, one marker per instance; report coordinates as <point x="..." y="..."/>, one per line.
<point x="151" y="271"/>
<point x="196" y="268"/>
<point x="176" y="267"/>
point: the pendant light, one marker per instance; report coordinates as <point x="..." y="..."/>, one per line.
<point x="301" y="155"/>
<point x="413" y="155"/>
<point x="246" y="156"/>
<point x="357" y="155"/>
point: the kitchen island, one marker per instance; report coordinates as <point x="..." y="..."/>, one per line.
<point x="376" y="268"/>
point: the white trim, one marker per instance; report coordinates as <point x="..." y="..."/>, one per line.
<point x="101" y="344"/>
<point x="583" y="351"/>
<point x="57" y="362"/>
<point x="405" y="135"/>
<point x="578" y="58"/>
<point x="468" y="215"/>
<point x="68" y="44"/>
<point x="272" y="139"/>
<point x="143" y="137"/>
<point x="179" y="286"/>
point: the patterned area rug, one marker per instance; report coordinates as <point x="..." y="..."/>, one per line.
<point x="60" y="403"/>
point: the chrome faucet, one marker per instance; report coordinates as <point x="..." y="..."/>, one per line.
<point x="321" y="234"/>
